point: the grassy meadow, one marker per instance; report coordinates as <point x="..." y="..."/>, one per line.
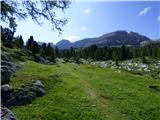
<point x="86" y="92"/>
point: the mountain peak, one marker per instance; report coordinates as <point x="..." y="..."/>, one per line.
<point x="63" y="44"/>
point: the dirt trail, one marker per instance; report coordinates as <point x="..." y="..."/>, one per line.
<point x="99" y="101"/>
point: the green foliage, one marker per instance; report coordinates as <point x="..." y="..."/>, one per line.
<point x="36" y="10"/>
<point x="12" y="24"/>
<point x="7" y="37"/>
<point x="35" y="47"/>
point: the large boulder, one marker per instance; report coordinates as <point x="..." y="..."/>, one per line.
<point x="23" y="95"/>
<point x="6" y="88"/>
<point x="6" y="114"/>
<point x="5" y="57"/>
<point x="40" y="59"/>
<point x="5" y="75"/>
<point x="7" y="68"/>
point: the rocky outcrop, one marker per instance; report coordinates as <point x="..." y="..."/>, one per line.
<point x="40" y="59"/>
<point x="6" y="114"/>
<point x="23" y="95"/>
<point x="7" y="68"/>
<point x="16" y="96"/>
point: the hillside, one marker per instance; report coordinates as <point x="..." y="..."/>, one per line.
<point x="70" y="90"/>
<point x="110" y="39"/>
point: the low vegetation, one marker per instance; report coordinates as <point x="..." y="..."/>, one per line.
<point x="79" y="92"/>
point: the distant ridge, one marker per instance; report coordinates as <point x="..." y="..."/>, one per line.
<point x="110" y="39"/>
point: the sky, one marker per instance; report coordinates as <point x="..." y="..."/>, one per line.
<point x="89" y="19"/>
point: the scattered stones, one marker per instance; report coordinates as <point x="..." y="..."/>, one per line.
<point x="66" y="59"/>
<point x="128" y="65"/>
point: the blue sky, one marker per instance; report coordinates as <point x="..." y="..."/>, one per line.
<point x="93" y="19"/>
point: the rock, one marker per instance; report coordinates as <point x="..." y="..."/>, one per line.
<point x="128" y="68"/>
<point x="6" y="114"/>
<point x="40" y="92"/>
<point x="146" y="69"/>
<point x="10" y="66"/>
<point x="6" y="91"/>
<point x="5" y="57"/>
<point x="7" y="68"/>
<point x="37" y="83"/>
<point x="40" y="59"/>
<point x="66" y="59"/>
<point x="6" y="88"/>
<point x="23" y="95"/>
<point x="5" y="75"/>
<point x="93" y="105"/>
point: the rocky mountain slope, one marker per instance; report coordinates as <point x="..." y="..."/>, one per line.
<point x="64" y="44"/>
<point x="110" y="39"/>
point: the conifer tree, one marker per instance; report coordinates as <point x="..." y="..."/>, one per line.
<point x="29" y="43"/>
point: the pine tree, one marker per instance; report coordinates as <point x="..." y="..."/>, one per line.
<point x="123" y="53"/>
<point x="19" y="42"/>
<point x="49" y="50"/>
<point x="35" y="48"/>
<point x="44" y="48"/>
<point x="7" y="37"/>
<point x="53" y="57"/>
<point x="42" y="53"/>
<point x="57" y="52"/>
<point x="29" y="43"/>
<point x="92" y="50"/>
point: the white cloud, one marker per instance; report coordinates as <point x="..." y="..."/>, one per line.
<point x="158" y="18"/>
<point x="83" y="28"/>
<point x="72" y="37"/>
<point x="144" y="11"/>
<point x="87" y="11"/>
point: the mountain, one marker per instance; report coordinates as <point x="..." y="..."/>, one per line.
<point x="64" y="44"/>
<point x="110" y="39"/>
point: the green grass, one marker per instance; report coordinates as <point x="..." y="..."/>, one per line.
<point x="87" y="92"/>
